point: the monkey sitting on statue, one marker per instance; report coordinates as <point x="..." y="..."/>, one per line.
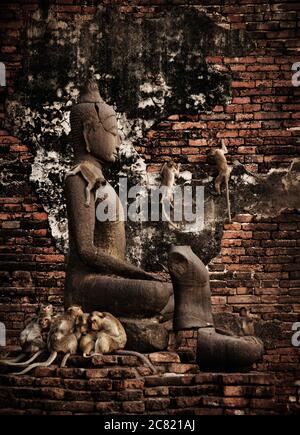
<point x="92" y="175"/>
<point x="32" y="338"/>
<point x="106" y="335"/>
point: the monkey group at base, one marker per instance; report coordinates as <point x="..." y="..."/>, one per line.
<point x="92" y="334"/>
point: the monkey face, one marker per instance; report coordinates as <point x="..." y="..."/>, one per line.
<point x="83" y="324"/>
<point x="94" y="323"/>
<point x="172" y="165"/>
<point x="95" y="320"/>
<point x="44" y="323"/>
<point x="211" y="156"/>
<point x="243" y="312"/>
<point x="46" y="310"/>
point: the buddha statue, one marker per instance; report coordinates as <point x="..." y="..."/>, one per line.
<point x="99" y="278"/>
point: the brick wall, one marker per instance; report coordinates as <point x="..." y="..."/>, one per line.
<point x="259" y="263"/>
<point x="111" y="385"/>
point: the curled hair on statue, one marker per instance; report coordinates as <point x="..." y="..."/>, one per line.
<point x="89" y="91"/>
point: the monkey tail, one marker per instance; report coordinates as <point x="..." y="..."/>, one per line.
<point x="23" y="363"/>
<point x="47" y="363"/>
<point x="228" y="199"/>
<point x="140" y="356"/>
<point x="65" y="359"/>
<point x="12" y="360"/>
<point x="167" y="217"/>
<point x="91" y="355"/>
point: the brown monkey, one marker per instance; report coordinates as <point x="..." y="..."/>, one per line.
<point x="247" y="322"/>
<point x="169" y="172"/>
<point x="61" y="338"/>
<point x="108" y="335"/>
<point x="82" y="325"/>
<point x="92" y="175"/>
<point x="32" y="338"/>
<point x="86" y="338"/>
<point x="46" y="310"/>
<point x="224" y="173"/>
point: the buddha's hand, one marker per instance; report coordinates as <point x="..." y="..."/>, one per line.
<point x="136" y="273"/>
<point x="153" y="277"/>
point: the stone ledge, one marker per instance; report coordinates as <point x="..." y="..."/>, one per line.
<point x="120" y="385"/>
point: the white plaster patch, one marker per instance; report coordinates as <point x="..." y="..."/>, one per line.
<point x="198" y="99"/>
<point x="156" y="91"/>
<point x="46" y="166"/>
<point x="249" y="179"/>
<point x="145" y="103"/>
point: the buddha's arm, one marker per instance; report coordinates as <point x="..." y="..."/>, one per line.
<point x="82" y="220"/>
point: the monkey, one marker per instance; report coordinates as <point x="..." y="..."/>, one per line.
<point x="86" y="338"/>
<point x="92" y="175"/>
<point x="81" y="325"/>
<point x="108" y="335"/>
<point x="169" y="172"/>
<point x="224" y="173"/>
<point x="247" y="322"/>
<point x="32" y="338"/>
<point x="61" y="338"/>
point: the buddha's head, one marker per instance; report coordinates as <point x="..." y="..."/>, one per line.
<point x="100" y="128"/>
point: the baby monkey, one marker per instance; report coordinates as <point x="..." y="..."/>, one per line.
<point x="224" y="173"/>
<point x="92" y="175"/>
<point x="106" y="335"/>
<point x="169" y="172"/>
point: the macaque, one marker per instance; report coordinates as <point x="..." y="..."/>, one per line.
<point x="33" y="337"/>
<point x="85" y="337"/>
<point x="169" y="172"/>
<point x="46" y="310"/>
<point x="61" y="338"/>
<point x="92" y="175"/>
<point x="82" y="325"/>
<point x="224" y="173"/>
<point x="107" y="335"/>
<point x="247" y="322"/>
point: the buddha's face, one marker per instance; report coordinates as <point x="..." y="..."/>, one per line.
<point x="103" y="138"/>
<point x="107" y="146"/>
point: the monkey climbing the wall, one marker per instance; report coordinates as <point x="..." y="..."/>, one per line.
<point x="224" y="173"/>
<point x="169" y="172"/>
